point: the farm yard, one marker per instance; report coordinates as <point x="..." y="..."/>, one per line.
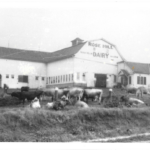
<point x="25" y="124"/>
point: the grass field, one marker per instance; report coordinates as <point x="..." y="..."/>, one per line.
<point x="24" y="124"/>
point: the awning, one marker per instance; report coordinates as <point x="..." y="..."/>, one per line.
<point x="123" y="73"/>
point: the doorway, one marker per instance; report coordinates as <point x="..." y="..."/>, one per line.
<point x="100" y="80"/>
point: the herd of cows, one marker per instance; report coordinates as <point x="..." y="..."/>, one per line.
<point x="59" y="98"/>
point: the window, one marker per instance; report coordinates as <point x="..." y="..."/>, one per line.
<point x="72" y="77"/>
<point x="58" y="79"/>
<point x="7" y="76"/>
<point x="23" y="79"/>
<point x="54" y="80"/>
<point x="64" y="78"/>
<point x="83" y="76"/>
<point x="144" y="80"/>
<point x="78" y="75"/>
<point x="49" y="80"/>
<point x="129" y="79"/>
<point x="36" y="78"/>
<point x="12" y="76"/>
<point x="43" y="78"/>
<point x="141" y="80"/>
<point x="138" y="79"/>
<point x="115" y="79"/>
<point x="61" y="80"/>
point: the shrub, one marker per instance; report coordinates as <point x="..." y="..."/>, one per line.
<point x="9" y="101"/>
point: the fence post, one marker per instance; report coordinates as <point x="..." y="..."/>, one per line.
<point x="56" y="93"/>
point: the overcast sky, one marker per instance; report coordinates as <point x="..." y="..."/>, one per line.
<point x="51" y="25"/>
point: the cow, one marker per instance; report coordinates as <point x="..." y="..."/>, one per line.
<point x="51" y="92"/>
<point x="76" y="92"/>
<point x="81" y="104"/>
<point x="35" y="103"/>
<point x="59" y="104"/>
<point x="50" y="105"/>
<point x="132" y="101"/>
<point x="29" y="96"/>
<point x="95" y="94"/>
<point x="24" y="88"/>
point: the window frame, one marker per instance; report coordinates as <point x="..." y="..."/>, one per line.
<point x="23" y="78"/>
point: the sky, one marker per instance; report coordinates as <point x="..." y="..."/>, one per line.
<point x="44" y="25"/>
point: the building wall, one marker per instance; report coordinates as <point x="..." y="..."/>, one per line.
<point x="90" y="68"/>
<point x="15" y="67"/>
<point x="133" y="76"/>
<point x="59" y="69"/>
<point x="139" y="85"/>
<point x="97" y="57"/>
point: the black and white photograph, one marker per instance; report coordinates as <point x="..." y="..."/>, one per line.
<point x="75" y="72"/>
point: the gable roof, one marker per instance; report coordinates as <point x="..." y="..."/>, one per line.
<point x="142" y="68"/>
<point x="124" y="72"/>
<point x="115" y="48"/>
<point x="38" y="56"/>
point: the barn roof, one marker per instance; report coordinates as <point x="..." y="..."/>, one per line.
<point x="142" y="68"/>
<point x="64" y="53"/>
<point x="38" y="56"/>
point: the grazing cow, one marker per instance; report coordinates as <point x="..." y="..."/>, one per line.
<point x="95" y="94"/>
<point x="51" y="92"/>
<point x="75" y="92"/>
<point x="35" y="103"/>
<point x="27" y="95"/>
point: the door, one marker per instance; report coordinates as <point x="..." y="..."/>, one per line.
<point x="100" y="80"/>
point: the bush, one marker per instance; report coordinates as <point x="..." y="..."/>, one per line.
<point x="115" y="102"/>
<point x="9" y="101"/>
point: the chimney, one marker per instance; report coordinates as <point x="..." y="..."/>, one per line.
<point x="77" y="41"/>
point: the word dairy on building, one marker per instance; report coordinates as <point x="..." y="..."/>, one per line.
<point x="95" y="63"/>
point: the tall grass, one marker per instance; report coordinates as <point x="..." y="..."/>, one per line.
<point x="26" y="124"/>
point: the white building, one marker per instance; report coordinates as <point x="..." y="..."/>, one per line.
<point x="133" y="74"/>
<point x="89" y="64"/>
<point x="95" y="63"/>
<point x="22" y="68"/>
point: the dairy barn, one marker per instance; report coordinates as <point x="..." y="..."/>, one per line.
<point x="95" y="63"/>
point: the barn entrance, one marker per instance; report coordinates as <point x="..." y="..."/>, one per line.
<point x="100" y="80"/>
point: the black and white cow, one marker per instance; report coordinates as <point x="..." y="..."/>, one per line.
<point x="29" y="96"/>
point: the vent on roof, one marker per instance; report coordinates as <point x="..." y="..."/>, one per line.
<point x="77" y="41"/>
